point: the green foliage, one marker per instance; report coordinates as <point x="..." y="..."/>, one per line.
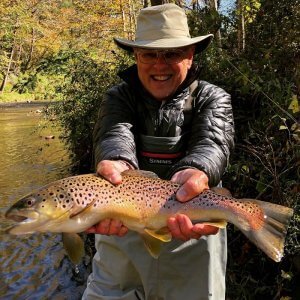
<point x="85" y="83"/>
<point x="12" y="97"/>
<point x="26" y="83"/>
<point x="263" y="81"/>
<point x="41" y="86"/>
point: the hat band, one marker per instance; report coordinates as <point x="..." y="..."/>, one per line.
<point x="164" y="33"/>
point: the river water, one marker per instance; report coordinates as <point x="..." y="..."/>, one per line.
<point x="31" y="155"/>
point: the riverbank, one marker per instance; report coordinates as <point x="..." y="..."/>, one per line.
<point x="25" y="103"/>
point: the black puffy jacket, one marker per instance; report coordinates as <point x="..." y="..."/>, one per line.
<point x="192" y="129"/>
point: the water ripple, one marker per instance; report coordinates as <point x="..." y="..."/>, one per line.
<point x="32" y="266"/>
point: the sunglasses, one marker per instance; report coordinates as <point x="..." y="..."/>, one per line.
<point x="170" y="56"/>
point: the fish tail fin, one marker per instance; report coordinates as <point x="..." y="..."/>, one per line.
<point x="270" y="236"/>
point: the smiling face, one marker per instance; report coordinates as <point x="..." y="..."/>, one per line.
<point x="162" y="72"/>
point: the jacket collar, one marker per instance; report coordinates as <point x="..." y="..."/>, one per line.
<point x="130" y="76"/>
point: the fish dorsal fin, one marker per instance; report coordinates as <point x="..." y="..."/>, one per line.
<point x="140" y="173"/>
<point x="74" y="246"/>
<point x="221" y="191"/>
<point x="162" y="234"/>
<point x="153" y="245"/>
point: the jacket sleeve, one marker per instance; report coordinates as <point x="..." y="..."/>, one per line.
<point x="212" y="133"/>
<point x="113" y="136"/>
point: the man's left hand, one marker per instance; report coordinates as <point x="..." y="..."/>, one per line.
<point x="193" y="183"/>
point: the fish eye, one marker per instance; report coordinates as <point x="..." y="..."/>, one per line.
<point x="30" y="202"/>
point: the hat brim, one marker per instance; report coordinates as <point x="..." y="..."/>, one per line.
<point x="201" y="43"/>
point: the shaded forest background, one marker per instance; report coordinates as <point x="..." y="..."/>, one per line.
<point x="62" y="51"/>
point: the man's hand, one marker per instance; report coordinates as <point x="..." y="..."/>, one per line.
<point x="193" y="183"/>
<point x="111" y="170"/>
<point x="109" y="227"/>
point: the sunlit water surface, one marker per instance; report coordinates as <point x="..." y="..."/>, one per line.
<point x="31" y="155"/>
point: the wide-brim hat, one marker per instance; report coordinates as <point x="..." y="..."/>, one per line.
<point x="163" y="27"/>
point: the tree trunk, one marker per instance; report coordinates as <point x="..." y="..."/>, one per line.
<point x="26" y="65"/>
<point x="158" y="2"/>
<point x="180" y="3"/>
<point x="132" y="19"/>
<point x="123" y="16"/>
<point x="241" y="26"/>
<point x="17" y="65"/>
<point x="214" y="8"/>
<point x="4" y="81"/>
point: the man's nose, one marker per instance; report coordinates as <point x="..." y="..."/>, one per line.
<point x="161" y="59"/>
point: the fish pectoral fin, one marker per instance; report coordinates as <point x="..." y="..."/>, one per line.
<point x="153" y="245"/>
<point x="162" y="234"/>
<point x="74" y="246"/>
<point x="81" y="211"/>
<point x="220" y="224"/>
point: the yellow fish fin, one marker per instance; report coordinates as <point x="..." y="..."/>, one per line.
<point x="220" y="224"/>
<point x="153" y="245"/>
<point x="138" y="173"/>
<point x="162" y="234"/>
<point x="74" y="246"/>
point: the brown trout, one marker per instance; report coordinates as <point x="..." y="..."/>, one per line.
<point x="143" y="202"/>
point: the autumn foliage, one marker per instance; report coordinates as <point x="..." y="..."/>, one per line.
<point x="64" y="50"/>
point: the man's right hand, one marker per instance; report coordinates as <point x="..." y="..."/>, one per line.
<point x="111" y="170"/>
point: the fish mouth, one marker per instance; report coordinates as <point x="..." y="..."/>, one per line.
<point x="22" y="217"/>
<point x="19" y="219"/>
<point x="26" y="221"/>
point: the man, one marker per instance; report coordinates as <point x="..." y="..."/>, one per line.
<point x="162" y="118"/>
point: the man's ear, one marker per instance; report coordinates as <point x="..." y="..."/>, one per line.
<point x="190" y="57"/>
<point x="135" y="54"/>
